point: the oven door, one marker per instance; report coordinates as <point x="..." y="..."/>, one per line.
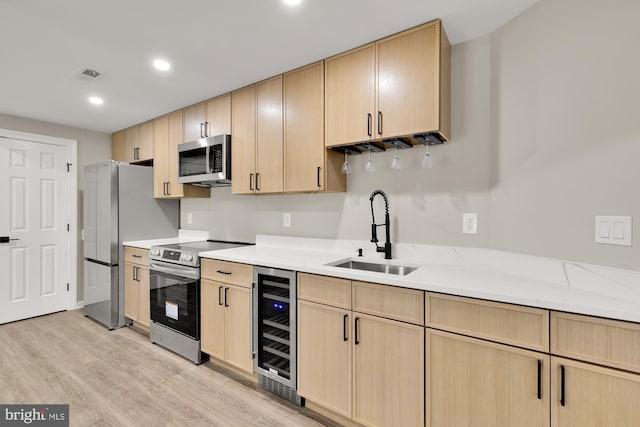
<point x="175" y="297"/>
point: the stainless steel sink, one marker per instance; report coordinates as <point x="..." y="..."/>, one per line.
<point x="378" y="267"/>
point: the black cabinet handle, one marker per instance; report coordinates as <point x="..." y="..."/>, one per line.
<point x="344" y="327"/>
<point x="562" y="400"/>
<point x="168" y="188"/>
<point x="133" y="273"/>
<point x="201" y="130"/>
<point x="228" y="273"/>
<point x="251" y="181"/>
<point x="357" y="322"/>
<point x="206" y="129"/>
<point x="379" y="122"/>
<point x="369" y="119"/>
<point x="318" y="177"/>
<point x="540" y="379"/>
<point x="164" y="188"/>
<point x="258" y="181"/>
<point x="137" y="256"/>
<point x="225" y="297"/>
<point x="220" y="295"/>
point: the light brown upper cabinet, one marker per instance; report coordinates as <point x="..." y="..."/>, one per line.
<point x="208" y="118"/>
<point x="257" y="138"/>
<point x="308" y="166"/>
<point x="167" y="136"/>
<point x="134" y="144"/>
<point x="118" y="149"/>
<point x="396" y="87"/>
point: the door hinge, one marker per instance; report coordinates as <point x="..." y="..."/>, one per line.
<point x="69" y="166"/>
<point x="67" y="287"/>
<point x="68" y="228"/>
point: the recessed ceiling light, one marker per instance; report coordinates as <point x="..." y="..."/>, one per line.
<point x="96" y="100"/>
<point x="161" y="64"/>
<point x="292" y="2"/>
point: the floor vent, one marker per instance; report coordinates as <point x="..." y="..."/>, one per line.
<point x="280" y="389"/>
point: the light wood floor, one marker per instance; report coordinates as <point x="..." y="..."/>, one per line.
<point x="119" y="378"/>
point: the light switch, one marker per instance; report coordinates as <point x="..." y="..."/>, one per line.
<point x="613" y="230"/>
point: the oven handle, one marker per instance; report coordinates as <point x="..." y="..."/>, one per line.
<point x="177" y="270"/>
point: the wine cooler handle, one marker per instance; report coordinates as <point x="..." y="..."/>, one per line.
<point x="253" y="314"/>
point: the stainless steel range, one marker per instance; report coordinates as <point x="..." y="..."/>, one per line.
<point x="175" y="296"/>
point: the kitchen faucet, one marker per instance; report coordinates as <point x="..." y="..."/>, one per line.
<point x="374" y="227"/>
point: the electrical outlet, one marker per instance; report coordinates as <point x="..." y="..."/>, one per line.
<point x="189" y="218"/>
<point x="286" y="220"/>
<point x="470" y="223"/>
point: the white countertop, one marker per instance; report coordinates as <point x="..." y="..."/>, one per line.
<point x="471" y="272"/>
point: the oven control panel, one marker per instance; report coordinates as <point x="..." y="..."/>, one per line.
<point x="174" y="256"/>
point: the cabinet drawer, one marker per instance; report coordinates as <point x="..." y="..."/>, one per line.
<point x="324" y="290"/>
<point x="406" y="305"/>
<point x="136" y="255"/>
<point x="506" y="323"/>
<point x="607" y="342"/>
<point x="227" y="272"/>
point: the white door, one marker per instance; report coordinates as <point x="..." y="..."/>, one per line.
<point x="34" y="210"/>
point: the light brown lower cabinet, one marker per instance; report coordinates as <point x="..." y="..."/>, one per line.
<point x="585" y="395"/>
<point x="136" y="293"/>
<point x="226" y="323"/>
<point x="388" y="372"/>
<point x="471" y="382"/>
<point x="324" y="355"/>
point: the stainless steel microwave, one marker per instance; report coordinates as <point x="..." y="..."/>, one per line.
<point x="205" y="162"/>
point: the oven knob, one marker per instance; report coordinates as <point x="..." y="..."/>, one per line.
<point x="188" y="257"/>
<point x="154" y="252"/>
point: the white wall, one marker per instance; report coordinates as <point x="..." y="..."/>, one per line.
<point x="92" y="147"/>
<point x="545" y="136"/>
<point x="565" y="129"/>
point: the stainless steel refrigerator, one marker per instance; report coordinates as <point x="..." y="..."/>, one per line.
<point x="118" y="207"/>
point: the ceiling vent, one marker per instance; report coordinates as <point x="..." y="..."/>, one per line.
<point x="87" y="74"/>
<point x="91" y="73"/>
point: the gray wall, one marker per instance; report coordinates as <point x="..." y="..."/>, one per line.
<point x="545" y="136"/>
<point x="92" y="147"/>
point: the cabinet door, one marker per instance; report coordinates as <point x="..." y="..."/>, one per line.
<point x="194" y="118"/>
<point x="174" y="138"/>
<point x="408" y="82"/>
<point x="304" y="148"/>
<point x="243" y="146"/>
<point x="472" y="382"/>
<point x="145" y="141"/>
<point x="388" y="377"/>
<point x="238" y="327"/>
<point x="212" y="318"/>
<point x="161" y="153"/>
<point x="118" y="148"/>
<point x="349" y="96"/>
<point x="219" y="115"/>
<point x="144" y="306"/>
<point x="324" y="356"/>
<point x="269" y="144"/>
<point x="593" y="396"/>
<point x="131" y="292"/>
<point x="131" y="143"/>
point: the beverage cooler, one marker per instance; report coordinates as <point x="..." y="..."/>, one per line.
<point x="274" y="331"/>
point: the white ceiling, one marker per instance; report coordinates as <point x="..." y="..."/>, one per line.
<point x="214" y="46"/>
